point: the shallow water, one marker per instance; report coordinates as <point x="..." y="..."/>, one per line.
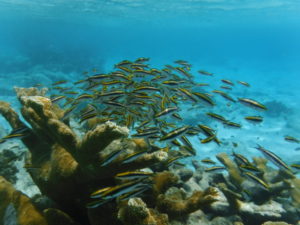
<point x="252" y="41"/>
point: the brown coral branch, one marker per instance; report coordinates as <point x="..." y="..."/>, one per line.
<point x="26" y="212"/>
<point x="233" y="171"/>
<point x="175" y="207"/>
<point x="32" y="142"/>
<point x="38" y="112"/>
<point x="10" y="115"/>
<point x="96" y="140"/>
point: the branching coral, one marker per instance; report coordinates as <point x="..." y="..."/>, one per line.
<point x="67" y="167"/>
<point x="18" y="206"/>
<point x="176" y="205"/>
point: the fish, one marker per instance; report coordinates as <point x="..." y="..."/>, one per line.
<point x="113" y="103"/>
<point x="240" y="159"/>
<point x="208" y="161"/>
<point x="175" y="142"/>
<point x="244" y="83"/>
<point x="97" y="77"/>
<point x="192" y="132"/>
<point x="201" y="84"/>
<point x="190" y="150"/>
<point x="257" y="180"/>
<point x="110" y="157"/>
<point x="226" y="87"/>
<point x="38" y="85"/>
<point x="224" y="95"/>
<point x="204" y="97"/>
<point x="175" y="133"/>
<point x="227" y="82"/>
<point x="87" y="117"/>
<point x="112" y="82"/>
<point x="203" y="72"/>
<point x="291" y="139"/>
<point x="183" y="72"/>
<point x="177" y="116"/>
<point x="188" y="94"/>
<point x="249" y="168"/>
<point x="252" y="103"/>
<point x="215" y="169"/>
<point x="254" y="119"/>
<point x="124" y="188"/>
<point x="166" y="111"/>
<point x="15" y="135"/>
<point x="142" y="59"/>
<point x="89" y="109"/>
<point x="56" y="99"/>
<point x="126" y="69"/>
<point x="170" y="161"/>
<point x="68" y="112"/>
<point x="182" y="62"/>
<point x="234" y="144"/>
<point x="59" y="82"/>
<point x="123" y="63"/>
<point x="273" y="158"/>
<point x="186" y="141"/>
<point x="210" y="133"/>
<point x="98" y="193"/>
<point x="71" y="93"/>
<point x="111" y="93"/>
<point x="79" y="82"/>
<point x="133" y="175"/>
<point x="134" y="193"/>
<point x="119" y="74"/>
<point x="84" y="96"/>
<point x="228" y="123"/>
<point x="216" y="116"/>
<point x="173" y="82"/>
<point x="20" y="130"/>
<point x="295" y="166"/>
<point x="131" y="157"/>
<point x="146" y="88"/>
<point x="145" y="133"/>
<point x="208" y="139"/>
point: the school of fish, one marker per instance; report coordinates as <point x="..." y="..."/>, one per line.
<point x="150" y="102"/>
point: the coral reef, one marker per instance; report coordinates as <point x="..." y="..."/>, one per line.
<point x="60" y="160"/>
<point x="135" y="212"/>
<point x="91" y="170"/>
<point x="18" y="208"/>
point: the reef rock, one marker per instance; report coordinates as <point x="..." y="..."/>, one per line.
<point x="275" y="223"/>
<point x="220" y="206"/>
<point x="268" y="211"/>
<point x="135" y="212"/>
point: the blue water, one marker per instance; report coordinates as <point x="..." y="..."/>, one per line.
<point x="217" y="35"/>
<point x="254" y="41"/>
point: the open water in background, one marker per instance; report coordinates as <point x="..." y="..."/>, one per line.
<point x="250" y="40"/>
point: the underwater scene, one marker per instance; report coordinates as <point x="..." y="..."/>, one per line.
<point x="147" y="112"/>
